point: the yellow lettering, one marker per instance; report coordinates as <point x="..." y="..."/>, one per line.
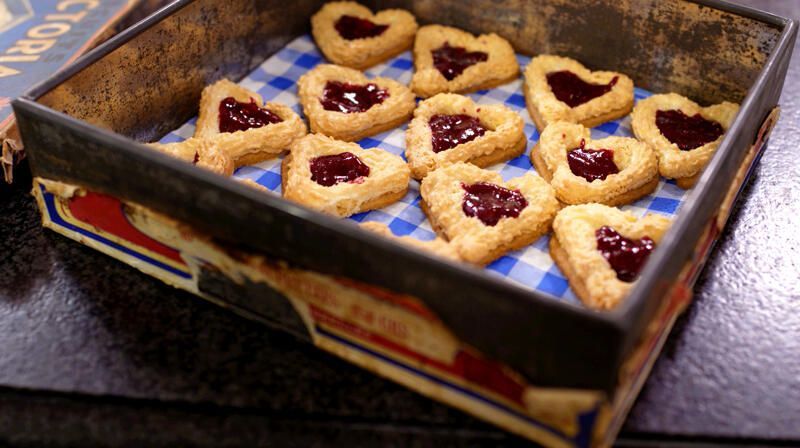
<point x="47" y="30"/>
<point x="41" y="36"/>
<point x="74" y="18"/>
<point x="26" y="46"/>
<point x="66" y="4"/>
<point x="19" y="58"/>
<point x="7" y="71"/>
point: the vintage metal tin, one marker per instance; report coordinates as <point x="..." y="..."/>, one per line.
<point x="82" y="126"/>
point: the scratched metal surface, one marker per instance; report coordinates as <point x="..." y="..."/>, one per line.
<point x="732" y="365"/>
<point x="93" y="352"/>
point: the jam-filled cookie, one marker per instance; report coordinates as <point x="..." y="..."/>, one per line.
<point x="436" y="246"/>
<point x="602" y="249"/>
<point x="451" y="60"/>
<point x="561" y="89"/>
<point x="350" y="34"/>
<point x="343" y="103"/>
<point x="253" y="184"/>
<point x="450" y="128"/>
<point x="243" y="126"/>
<point x="611" y="171"/>
<point x="203" y="153"/>
<point x="340" y="178"/>
<point x="484" y="217"/>
<point x="683" y="134"/>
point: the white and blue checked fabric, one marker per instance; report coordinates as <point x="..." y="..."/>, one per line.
<point x="532" y="266"/>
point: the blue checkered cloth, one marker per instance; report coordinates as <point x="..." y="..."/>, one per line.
<point x="532" y="266"/>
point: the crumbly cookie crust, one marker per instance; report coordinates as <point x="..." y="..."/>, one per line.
<point x="573" y="246"/>
<point x="387" y="181"/>
<point x="442" y="196"/>
<point x="253" y="145"/>
<point x="392" y="112"/>
<point x="544" y="108"/>
<point x="436" y="246"/>
<point x="504" y="139"/>
<point x="362" y="53"/>
<point x="637" y="163"/>
<point x="203" y="153"/>
<point x="500" y="67"/>
<point x="673" y="163"/>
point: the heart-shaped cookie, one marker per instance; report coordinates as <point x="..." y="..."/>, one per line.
<point x="484" y="217"/>
<point x="451" y="60"/>
<point x="253" y="184"/>
<point x="243" y="126"/>
<point x="561" y="89"/>
<point x="343" y="103"/>
<point x="602" y="249"/>
<point x="611" y="171"/>
<point x="436" y="246"/>
<point x="349" y="34"/>
<point x="450" y="128"/>
<point x="683" y="134"/>
<point x="340" y="178"/>
<point x="203" y="153"/>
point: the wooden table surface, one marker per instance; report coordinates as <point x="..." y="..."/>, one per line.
<point x="93" y="352"/>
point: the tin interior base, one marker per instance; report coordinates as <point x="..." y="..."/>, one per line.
<point x="275" y="80"/>
<point x="80" y="128"/>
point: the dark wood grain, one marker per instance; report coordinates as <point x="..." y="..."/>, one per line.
<point x="95" y="353"/>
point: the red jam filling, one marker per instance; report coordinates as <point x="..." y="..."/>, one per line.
<point x="351" y="28"/>
<point x="331" y="170"/>
<point x="449" y="131"/>
<point x="490" y="202"/>
<point x="452" y="61"/>
<point x="235" y="116"/>
<point x="591" y="164"/>
<point x="685" y="131"/>
<point x="625" y="256"/>
<point x="569" y="88"/>
<point x="351" y="98"/>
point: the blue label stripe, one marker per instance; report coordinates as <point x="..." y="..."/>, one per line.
<point x="586" y="421"/>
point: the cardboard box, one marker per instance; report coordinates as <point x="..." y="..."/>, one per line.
<point x="39" y="37"/>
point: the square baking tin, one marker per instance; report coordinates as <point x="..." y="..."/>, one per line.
<point x="81" y="127"/>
